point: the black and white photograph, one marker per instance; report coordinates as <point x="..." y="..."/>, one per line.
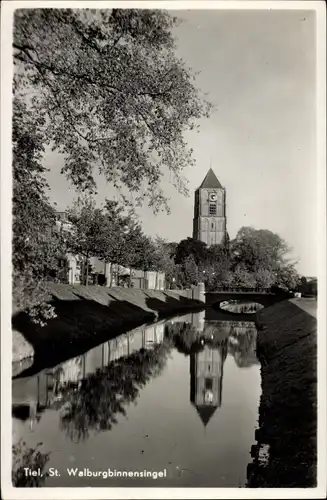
<point x="163" y="221"/>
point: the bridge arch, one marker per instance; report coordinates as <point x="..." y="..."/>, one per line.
<point x="214" y="299"/>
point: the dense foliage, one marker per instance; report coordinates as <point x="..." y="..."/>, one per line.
<point x="254" y="259"/>
<point x="113" y="94"/>
<point x="31" y="458"/>
<point x="105" y="89"/>
<point x="36" y="247"/>
<point x="110" y="233"/>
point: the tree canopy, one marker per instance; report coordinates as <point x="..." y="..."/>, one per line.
<point x="36" y="247"/>
<point x="111" y="93"/>
<point x="188" y="247"/>
<point x="105" y="89"/>
<point x="111" y="234"/>
<point x="253" y="259"/>
<point x="258" y="249"/>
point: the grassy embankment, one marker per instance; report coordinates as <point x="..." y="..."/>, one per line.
<point x="287" y="350"/>
<point x="86" y="316"/>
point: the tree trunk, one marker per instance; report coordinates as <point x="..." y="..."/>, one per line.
<point x="87" y="271"/>
<point x="111" y="275"/>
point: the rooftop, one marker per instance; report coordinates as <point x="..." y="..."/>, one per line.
<point x="210" y="181"/>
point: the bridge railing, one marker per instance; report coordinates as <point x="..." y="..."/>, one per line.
<point x="239" y="290"/>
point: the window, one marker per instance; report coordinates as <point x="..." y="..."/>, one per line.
<point x="205" y="224"/>
<point x="212" y="225"/>
<point x="208" y="384"/>
<point x="212" y="209"/>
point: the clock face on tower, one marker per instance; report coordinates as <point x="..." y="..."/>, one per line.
<point x="212" y="197"/>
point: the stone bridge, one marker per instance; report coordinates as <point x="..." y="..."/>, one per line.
<point x="265" y="299"/>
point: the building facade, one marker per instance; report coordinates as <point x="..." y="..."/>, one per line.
<point x="209" y="223"/>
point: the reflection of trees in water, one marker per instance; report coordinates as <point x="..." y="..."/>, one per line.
<point x="96" y="401"/>
<point x="242" y="339"/>
<point x="32" y="458"/>
<point x="242" y="346"/>
<point x="184" y="337"/>
<point x="187" y="340"/>
<point x="73" y="365"/>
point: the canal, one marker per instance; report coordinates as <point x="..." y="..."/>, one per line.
<point x="179" y="397"/>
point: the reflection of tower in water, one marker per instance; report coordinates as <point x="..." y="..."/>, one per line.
<point x="206" y="369"/>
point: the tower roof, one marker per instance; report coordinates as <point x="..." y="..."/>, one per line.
<point x="205" y="413"/>
<point x="210" y="180"/>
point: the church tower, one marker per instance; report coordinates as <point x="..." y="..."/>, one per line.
<point x="209" y="223"/>
<point x="206" y="370"/>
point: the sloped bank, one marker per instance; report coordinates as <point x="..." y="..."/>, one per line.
<point x="286" y="450"/>
<point x="88" y="315"/>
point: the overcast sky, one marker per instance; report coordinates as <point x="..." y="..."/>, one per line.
<point x="258" y="68"/>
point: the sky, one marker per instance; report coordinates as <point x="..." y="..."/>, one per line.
<point x="258" y="68"/>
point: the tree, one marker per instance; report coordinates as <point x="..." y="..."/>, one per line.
<point x="112" y="94"/>
<point x="189" y="247"/>
<point x="88" y="236"/>
<point x="242" y="278"/>
<point x="190" y="272"/>
<point x="166" y="261"/>
<point x="126" y="232"/>
<point x="28" y="458"/>
<point x="258" y="249"/>
<point x="140" y="250"/>
<point x="263" y="253"/>
<point x="227" y="279"/>
<point x="216" y="265"/>
<point x="36" y="246"/>
<point x="218" y="254"/>
<point x="111" y="234"/>
<point x="264" y="278"/>
<point x="172" y="247"/>
<point x="97" y="232"/>
<point x="287" y="277"/>
<point x="145" y="253"/>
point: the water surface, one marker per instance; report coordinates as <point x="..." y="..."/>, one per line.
<point x="180" y="396"/>
<point x="240" y="306"/>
